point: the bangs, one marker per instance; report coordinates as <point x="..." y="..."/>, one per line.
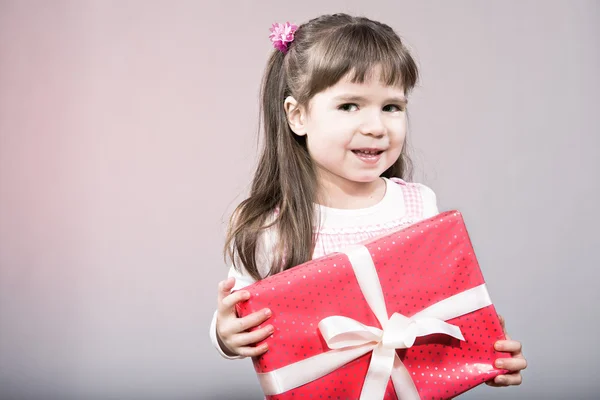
<point x="356" y="50"/>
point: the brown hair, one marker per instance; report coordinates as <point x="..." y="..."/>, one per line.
<point x="324" y="50"/>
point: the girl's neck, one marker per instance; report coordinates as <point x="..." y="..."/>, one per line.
<point x="344" y="194"/>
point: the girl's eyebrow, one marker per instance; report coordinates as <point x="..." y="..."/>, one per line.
<point x="349" y="98"/>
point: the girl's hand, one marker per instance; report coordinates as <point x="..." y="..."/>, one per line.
<point x="232" y="332"/>
<point x="514" y="364"/>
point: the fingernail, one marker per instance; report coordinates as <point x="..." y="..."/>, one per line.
<point x="270" y="329"/>
<point x="499" y="364"/>
<point x="498" y="346"/>
<point x="501" y="380"/>
<point x="267" y="312"/>
<point x="246" y="295"/>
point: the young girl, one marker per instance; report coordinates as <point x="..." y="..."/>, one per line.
<point x="332" y="168"/>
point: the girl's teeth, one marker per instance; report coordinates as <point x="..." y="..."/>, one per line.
<point x="366" y="152"/>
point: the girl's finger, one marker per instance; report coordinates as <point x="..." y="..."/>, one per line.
<point x="251" y="351"/>
<point x="506" y="380"/>
<point x="225" y="288"/>
<point x="508" y="346"/>
<point x="252" y="320"/>
<point x="250" y="338"/>
<point x="493" y="383"/>
<point x="512" y="364"/>
<point x="229" y="302"/>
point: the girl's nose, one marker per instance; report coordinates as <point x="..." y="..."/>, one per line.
<point x="373" y="125"/>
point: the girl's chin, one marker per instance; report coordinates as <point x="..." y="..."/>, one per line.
<point x="364" y="179"/>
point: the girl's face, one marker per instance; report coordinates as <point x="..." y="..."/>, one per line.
<point x="354" y="131"/>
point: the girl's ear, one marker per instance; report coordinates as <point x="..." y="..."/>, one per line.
<point x="296" y="116"/>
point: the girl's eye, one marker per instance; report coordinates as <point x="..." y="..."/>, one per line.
<point x="348" y="107"/>
<point x="393" y="108"/>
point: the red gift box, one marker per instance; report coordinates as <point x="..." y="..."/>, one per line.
<point x="403" y="316"/>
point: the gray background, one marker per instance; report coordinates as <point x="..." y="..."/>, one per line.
<point x="127" y="134"/>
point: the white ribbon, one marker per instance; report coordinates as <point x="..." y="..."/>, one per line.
<point x="350" y="339"/>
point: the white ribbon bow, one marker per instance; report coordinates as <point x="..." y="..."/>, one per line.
<point x="350" y="339"/>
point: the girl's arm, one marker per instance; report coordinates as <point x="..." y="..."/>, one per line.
<point x="228" y="333"/>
